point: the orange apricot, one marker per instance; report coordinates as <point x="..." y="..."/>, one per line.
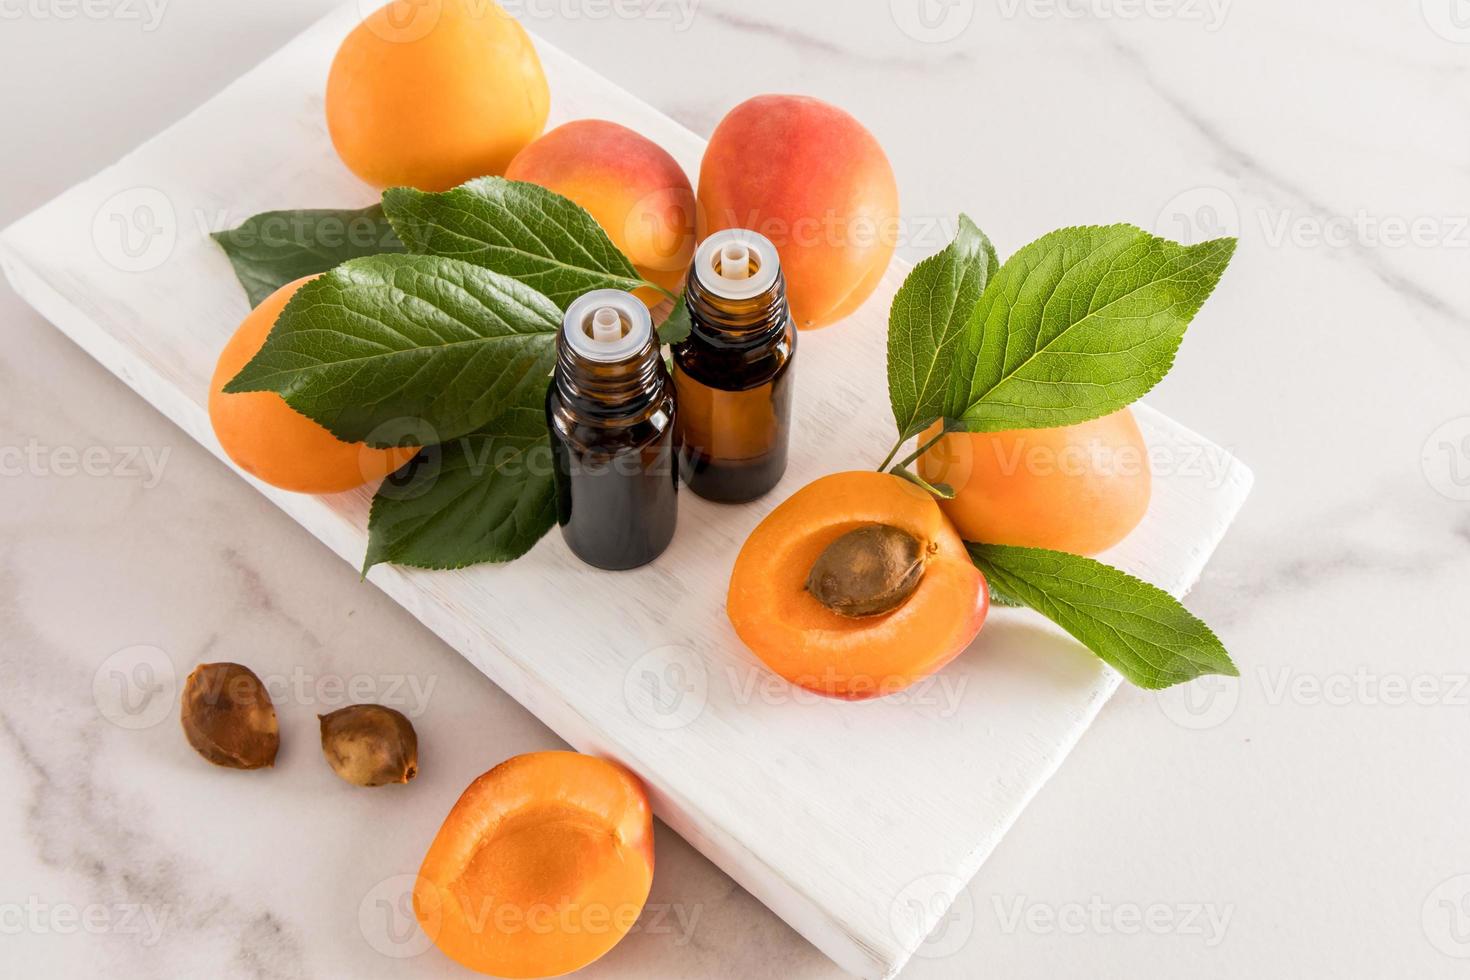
<point x="916" y="629"/>
<point x="542" y="866"/>
<point x="637" y="192"/>
<point x="1077" y="488"/>
<point x="430" y="95"/>
<point x="815" y="182"/>
<point x="272" y="441"/>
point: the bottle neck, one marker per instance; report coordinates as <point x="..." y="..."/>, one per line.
<point x="616" y="392"/>
<point x="742" y="324"/>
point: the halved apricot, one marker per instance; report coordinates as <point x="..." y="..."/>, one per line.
<point x="542" y="866"/>
<point x="855" y="657"/>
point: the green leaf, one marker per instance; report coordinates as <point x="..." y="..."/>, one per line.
<point x="678" y="325"/>
<point x="998" y="598"/>
<point x="277" y="247"/>
<point x="1140" y="630"/>
<point x="517" y="229"/>
<point x="484" y="497"/>
<point x="926" y="322"/>
<point x="1078" y="324"/>
<point x="406" y="349"/>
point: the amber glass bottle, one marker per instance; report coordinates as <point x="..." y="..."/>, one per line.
<point x="734" y="374"/>
<point x="611" y="412"/>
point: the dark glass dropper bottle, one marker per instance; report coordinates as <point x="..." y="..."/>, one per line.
<point x="734" y="374"/>
<point x="611" y="412"/>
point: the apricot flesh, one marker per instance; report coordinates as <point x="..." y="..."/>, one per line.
<point x="813" y="180"/>
<point x="430" y="95"/>
<point x="542" y="866"/>
<point x="1079" y="488"/>
<point x="815" y="648"/>
<point x="635" y="190"/>
<point x="272" y="441"/>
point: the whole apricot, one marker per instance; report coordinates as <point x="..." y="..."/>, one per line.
<point x="637" y="192"/>
<point x="272" y="441"/>
<point x="815" y="182"/>
<point x="542" y="866"/>
<point x="430" y="95"/>
<point x="1077" y="488"/>
<point x="856" y="587"/>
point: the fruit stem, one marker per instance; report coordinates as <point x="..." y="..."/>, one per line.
<point x="944" y="431"/>
<point x="883" y="466"/>
<point x="943" y="491"/>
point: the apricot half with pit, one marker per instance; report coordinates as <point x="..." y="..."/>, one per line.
<point x="856" y="587"/>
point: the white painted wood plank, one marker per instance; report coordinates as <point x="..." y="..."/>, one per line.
<point x="855" y="823"/>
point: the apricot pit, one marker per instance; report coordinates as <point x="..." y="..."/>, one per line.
<point x="370" y="745"/>
<point x="868" y="572"/>
<point x="228" y="717"/>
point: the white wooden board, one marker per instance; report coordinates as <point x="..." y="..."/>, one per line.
<point x="857" y="823"/>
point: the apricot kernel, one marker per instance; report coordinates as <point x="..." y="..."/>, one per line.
<point x="370" y="745"/>
<point x="228" y="717"/>
<point x="868" y="571"/>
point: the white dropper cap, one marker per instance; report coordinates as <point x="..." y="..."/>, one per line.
<point x="723" y="264"/>
<point x="607" y="325"/>
<point x="735" y="261"/>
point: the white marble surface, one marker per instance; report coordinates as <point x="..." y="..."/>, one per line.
<point x="1306" y="821"/>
